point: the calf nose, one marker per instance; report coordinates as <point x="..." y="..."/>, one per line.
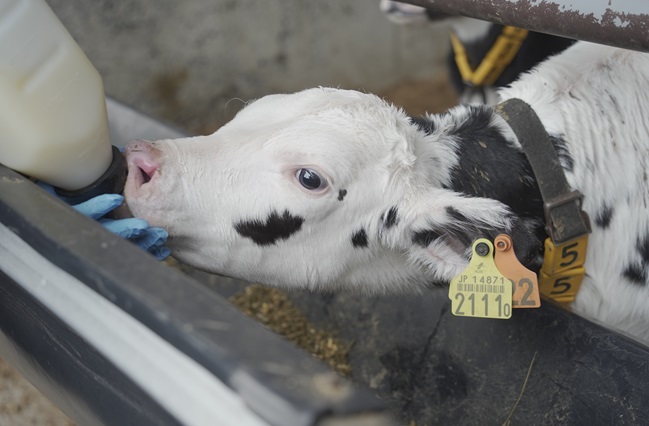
<point x="144" y="156"/>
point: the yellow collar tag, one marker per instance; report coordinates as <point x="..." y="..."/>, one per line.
<point x="563" y="269"/>
<point x="481" y="290"/>
<point x="495" y="61"/>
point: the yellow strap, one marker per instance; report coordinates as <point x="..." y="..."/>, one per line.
<point x="563" y="269"/>
<point x="495" y="61"/>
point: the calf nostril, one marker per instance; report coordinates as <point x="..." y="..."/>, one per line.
<point x="143" y="157"/>
<point x="146" y="176"/>
<point x="147" y="164"/>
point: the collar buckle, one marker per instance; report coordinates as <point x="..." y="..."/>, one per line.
<point x="558" y="201"/>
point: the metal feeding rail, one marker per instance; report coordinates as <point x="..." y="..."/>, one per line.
<point x="621" y="23"/>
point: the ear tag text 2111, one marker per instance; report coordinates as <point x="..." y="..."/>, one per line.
<point x="481" y="290"/>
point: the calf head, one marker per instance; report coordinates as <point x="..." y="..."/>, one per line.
<point x="317" y="189"/>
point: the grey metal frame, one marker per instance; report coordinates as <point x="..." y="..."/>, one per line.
<point x="621" y="23"/>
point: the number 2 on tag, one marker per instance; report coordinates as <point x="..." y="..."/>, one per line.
<point x="525" y="282"/>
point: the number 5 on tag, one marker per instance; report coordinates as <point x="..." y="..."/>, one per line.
<point x="481" y="290"/>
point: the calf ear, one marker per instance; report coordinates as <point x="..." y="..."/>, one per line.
<point x="438" y="229"/>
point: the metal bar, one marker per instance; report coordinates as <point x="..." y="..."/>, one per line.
<point x="73" y="374"/>
<point x="621" y="23"/>
<point x="224" y="342"/>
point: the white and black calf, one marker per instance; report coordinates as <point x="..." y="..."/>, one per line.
<point x="477" y="38"/>
<point x="330" y="188"/>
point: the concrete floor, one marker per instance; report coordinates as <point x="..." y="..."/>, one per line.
<point x="21" y="404"/>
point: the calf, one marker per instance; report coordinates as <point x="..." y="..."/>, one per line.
<point x="477" y="38"/>
<point x="331" y="188"/>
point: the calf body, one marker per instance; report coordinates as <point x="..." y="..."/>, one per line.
<point x="477" y="38"/>
<point x="329" y="188"/>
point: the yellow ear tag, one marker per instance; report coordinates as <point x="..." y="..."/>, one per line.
<point x="481" y="290"/>
<point x="525" y="282"/>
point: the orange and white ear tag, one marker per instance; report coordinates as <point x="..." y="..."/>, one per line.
<point x="525" y="282"/>
<point x="481" y="290"/>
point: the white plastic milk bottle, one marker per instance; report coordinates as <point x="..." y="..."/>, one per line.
<point x="53" y="123"/>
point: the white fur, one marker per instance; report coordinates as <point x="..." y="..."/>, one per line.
<point x="246" y="169"/>
<point x="570" y="93"/>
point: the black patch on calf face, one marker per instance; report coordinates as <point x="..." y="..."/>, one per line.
<point x="603" y="217"/>
<point x="359" y="239"/>
<point x="391" y="218"/>
<point x="341" y="194"/>
<point x="275" y="227"/>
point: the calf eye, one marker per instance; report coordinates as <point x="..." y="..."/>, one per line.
<point x="310" y="180"/>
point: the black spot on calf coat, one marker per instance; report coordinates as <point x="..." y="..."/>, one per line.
<point x="275" y="228"/>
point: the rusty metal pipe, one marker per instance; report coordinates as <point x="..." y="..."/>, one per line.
<point x="621" y="23"/>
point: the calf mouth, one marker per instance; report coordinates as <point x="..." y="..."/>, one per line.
<point x="143" y="162"/>
<point x="143" y="167"/>
<point x="138" y="175"/>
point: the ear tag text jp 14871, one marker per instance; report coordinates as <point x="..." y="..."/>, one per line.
<point x="481" y="290"/>
<point x="525" y="282"/>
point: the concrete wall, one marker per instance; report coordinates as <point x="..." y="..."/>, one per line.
<point x="183" y="60"/>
